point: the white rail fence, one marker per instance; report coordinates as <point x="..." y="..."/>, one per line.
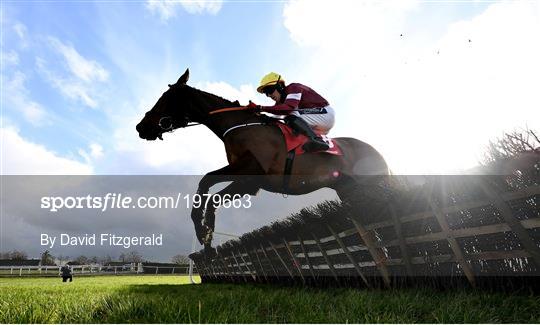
<point x="132" y="268"/>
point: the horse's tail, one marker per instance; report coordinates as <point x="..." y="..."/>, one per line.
<point x="366" y="176"/>
<point x="361" y="158"/>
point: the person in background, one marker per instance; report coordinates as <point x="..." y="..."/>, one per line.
<point x="66" y="273"/>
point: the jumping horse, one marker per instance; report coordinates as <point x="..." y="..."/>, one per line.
<point x="256" y="152"/>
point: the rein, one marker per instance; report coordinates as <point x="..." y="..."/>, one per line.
<point x="229" y="109"/>
<point x="170" y="128"/>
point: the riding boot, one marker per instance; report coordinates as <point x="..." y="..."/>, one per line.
<point x="315" y="143"/>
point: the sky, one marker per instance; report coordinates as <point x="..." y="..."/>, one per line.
<point x="427" y="83"/>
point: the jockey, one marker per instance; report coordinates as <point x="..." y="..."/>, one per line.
<point x="307" y="112"/>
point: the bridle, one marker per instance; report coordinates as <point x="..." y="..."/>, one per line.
<point x="167" y="124"/>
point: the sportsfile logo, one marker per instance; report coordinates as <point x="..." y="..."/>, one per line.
<point x="121" y="201"/>
<point x="109" y="201"/>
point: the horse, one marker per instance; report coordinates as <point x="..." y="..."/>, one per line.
<point x="256" y="152"/>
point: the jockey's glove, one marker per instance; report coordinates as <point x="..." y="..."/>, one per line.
<point x="253" y="106"/>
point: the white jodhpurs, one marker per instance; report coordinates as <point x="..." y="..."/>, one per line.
<point x="321" y="120"/>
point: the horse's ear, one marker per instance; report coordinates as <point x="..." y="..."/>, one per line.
<point x="184" y="78"/>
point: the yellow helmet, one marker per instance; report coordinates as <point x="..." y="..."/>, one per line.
<point x="270" y="79"/>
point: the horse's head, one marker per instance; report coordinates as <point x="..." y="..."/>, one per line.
<point x="170" y="112"/>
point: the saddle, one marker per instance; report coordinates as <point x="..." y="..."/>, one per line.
<point x="295" y="141"/>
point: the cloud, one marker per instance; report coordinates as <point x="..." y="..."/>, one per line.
<point x="82" y="77"/>
<point x="17" y="97"/>
<point x="243" y="94"/>
<point x="68" y="86"/>
<point x="82" y="68"/>
<point x="22" y="32"/>
<point x="96" y="150"/>
<point x="166" y="9"/>
<point x="94" y="153"/>
<point x="10" y="58"/>
<point x="22" y="157"/>
<point x="431" y="105"/>
<point x="350" y="22"/>
<point x="202" y="6"/>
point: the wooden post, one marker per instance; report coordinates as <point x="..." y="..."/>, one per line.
<point x="210" y="269"/>
<point x="269" y="261"/>
<point x="213" y="269"/>
<point x="244" y="261"/>
<point x="514" y="224"/>
<point x="295" y="261"/>
<point x="239" y="267"/>
<point x="281" y="260"/>
<point x="405" y="256"/>
<point x="260" y="264"/>
<point x="200" y="268"/>
<point x="349" y="256"/>
<point x="323" y="252"/>
<point x="460" y="257"/>
<point x="376" y="253"/>
<point x="226" y="269"/>
<point x="253" y="272"/>
<point x="216" y="267"/>
<point x="307" y="257"/>
<point x="205" y="270"/>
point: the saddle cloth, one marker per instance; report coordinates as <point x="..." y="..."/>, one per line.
<point x="296" y="141"/>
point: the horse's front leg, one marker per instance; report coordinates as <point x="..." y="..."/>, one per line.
<point x="246" y="165"/>
<point x="197" y="211"/>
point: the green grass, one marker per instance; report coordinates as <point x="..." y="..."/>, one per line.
<point x="170" y="299"/>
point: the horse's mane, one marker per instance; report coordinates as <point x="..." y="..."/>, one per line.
<point x="226" y="102"/>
